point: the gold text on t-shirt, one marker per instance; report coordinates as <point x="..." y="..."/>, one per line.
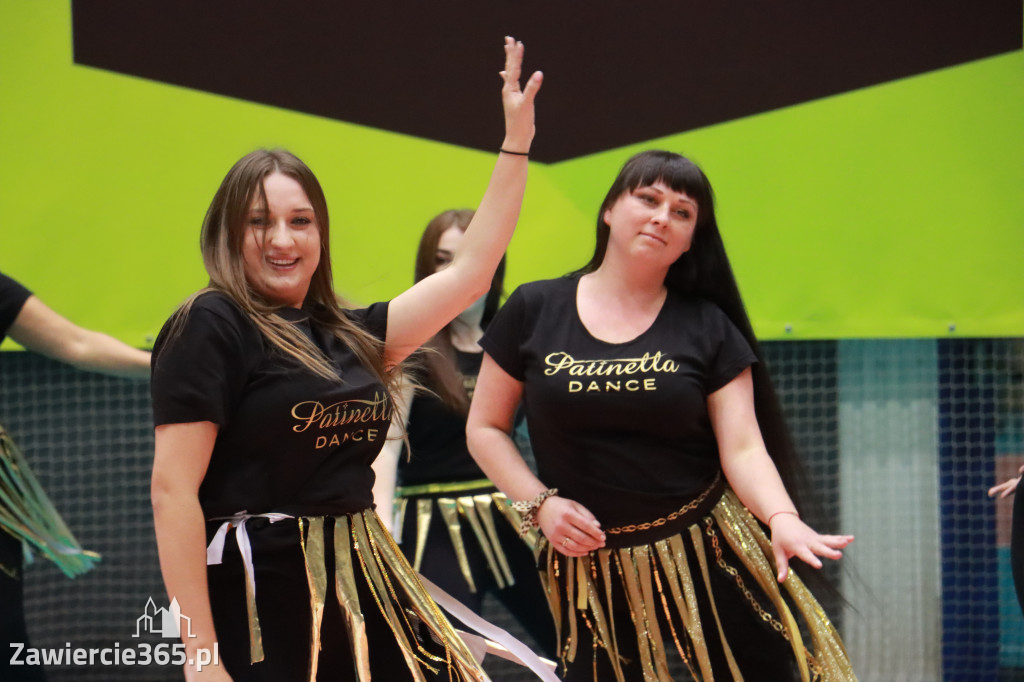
<point x="313" y="413"/>
<point x="644" y="364"/>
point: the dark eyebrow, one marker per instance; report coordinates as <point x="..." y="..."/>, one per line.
<point x="296" y="210"/>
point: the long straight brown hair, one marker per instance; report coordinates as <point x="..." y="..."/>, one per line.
<point x="221" y="239"/>
<point x="438" y="361"/>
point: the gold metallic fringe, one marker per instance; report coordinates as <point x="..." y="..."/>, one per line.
<point x="406" y="491"/>
<point x="401" y="504"/>
<point x="424" y="511"/>
<point x="316" y="576"/>
<point x="478" y="511"/>
<point x="348" y="597"/>
<point x="830" y="660"/>
<point x="450" y="513"/>
<point x="396" y="591"/>
<point x="660" y="574"/>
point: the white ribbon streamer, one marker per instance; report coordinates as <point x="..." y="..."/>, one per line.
<point x="215" y="551"/>
<point x="498" y="641"/>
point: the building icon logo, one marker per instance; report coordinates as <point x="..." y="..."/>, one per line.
<point x="168" y="623"/>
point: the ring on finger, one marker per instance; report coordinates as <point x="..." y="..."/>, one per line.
<point x="565" y="541"/>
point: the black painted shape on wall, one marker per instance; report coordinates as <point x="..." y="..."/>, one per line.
<point x="617" y="71"/>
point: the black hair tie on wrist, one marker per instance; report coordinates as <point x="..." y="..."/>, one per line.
<point x="505" y="151"/>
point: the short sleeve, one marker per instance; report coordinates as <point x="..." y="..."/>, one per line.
<point x="12" y="298"/>
<point x="200" y="369"/>
<point x="373" y="319"/>
<point x="731" y="354"/>
<point x="504" y="336"/>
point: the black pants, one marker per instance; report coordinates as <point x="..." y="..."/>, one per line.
<point x="12" y="612"/>
<point x="525" y="599"/>
<point x="282" y="597"/>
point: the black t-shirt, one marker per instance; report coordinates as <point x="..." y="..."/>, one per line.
<point x="621" y="428"/>
<point x="12" y="299"/>
<point x="289" y="441"/>
<point x="437" y="434"/>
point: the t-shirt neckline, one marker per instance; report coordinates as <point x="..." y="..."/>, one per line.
<point x="613" y="344"/>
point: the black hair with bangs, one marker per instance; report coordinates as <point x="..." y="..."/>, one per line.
<point x="704" y="271"/>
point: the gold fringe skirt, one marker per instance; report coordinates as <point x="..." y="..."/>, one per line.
<point x="28" y="515"/>
<point x="664" y="581"/>
<point x="364" y="551"/>
<point x="471" y="513"/>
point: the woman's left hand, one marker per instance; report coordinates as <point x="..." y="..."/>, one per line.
<point x="518" y="103"/>
<point x="791" y="537"/>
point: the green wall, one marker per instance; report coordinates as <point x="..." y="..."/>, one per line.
<point x="892" y="211"/>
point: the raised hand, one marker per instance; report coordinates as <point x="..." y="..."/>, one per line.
<point x="792" y="537"/>
<point x="518" y="103"/>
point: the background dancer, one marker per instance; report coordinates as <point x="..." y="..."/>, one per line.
<point x="27" y="518"/>
<point x="455" y="527"/>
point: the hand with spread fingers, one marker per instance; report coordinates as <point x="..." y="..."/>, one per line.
<point x="518" y="102"/>
<point x="791" y="537"/>
<point x="570" y="527"/>
<point x="1007" y="487"/>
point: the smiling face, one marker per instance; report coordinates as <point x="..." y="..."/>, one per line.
<point x="281" y="245"/>
<point x="653" y="222"/>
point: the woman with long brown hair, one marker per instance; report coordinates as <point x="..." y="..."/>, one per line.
<point x="271" y="402"/>
<point x="454" y="526"/>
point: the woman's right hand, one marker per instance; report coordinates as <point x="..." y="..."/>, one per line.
<point x="518" y="104"/>
<point x="570" y="527"/>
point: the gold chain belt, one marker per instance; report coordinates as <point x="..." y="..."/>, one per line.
<point x="688" y="507"/>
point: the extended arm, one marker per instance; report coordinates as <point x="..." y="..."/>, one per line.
<point x="42" y="330"/>
<point x="490" y="419"/>
<point x="418" y="313"/>
<point x="753" y="476"/>
<point x="182" y="457"/>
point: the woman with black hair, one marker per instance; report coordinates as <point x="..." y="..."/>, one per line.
<point x="661" y="452"/>
<point x="453" y="524"/>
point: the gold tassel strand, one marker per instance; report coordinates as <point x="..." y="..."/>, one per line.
<point x="698" y="548"/>
<point x="316" y="576"/>
<point x="467" y="507"/>
<point x="450" y="513"/>
<point x="484" y="506"/>
<point x="421" y="603"/>
<point x="348" y="597"/>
